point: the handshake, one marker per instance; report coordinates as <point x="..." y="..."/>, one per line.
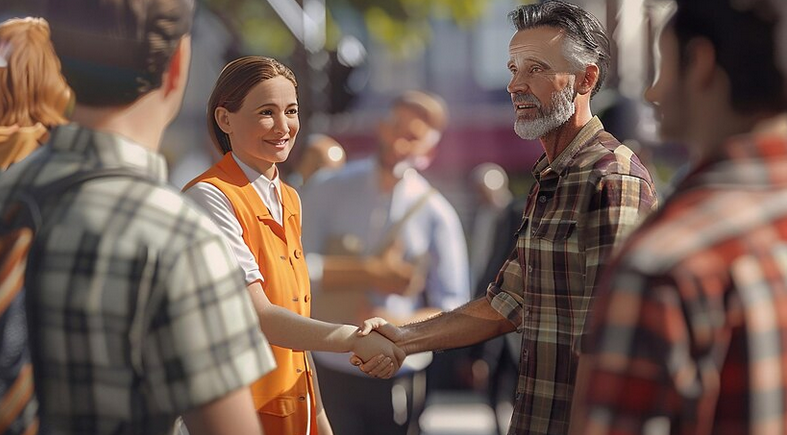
<point x="378" y="348"/>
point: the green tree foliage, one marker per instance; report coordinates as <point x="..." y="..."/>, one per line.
<point x="403" y="26"/>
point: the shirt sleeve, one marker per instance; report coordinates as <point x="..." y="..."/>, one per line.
<point x="617" y="207"/>
<point x="221" y="212"/>
<point x="643" y="370"/>
<point x="506" y="294"/>
<point x="315" y="202"/>
<point x="204" y="340"/>
<point x="314" y="224"/>
<point x="448" y="282"/>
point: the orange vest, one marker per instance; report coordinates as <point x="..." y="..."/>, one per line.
<point x="280" y="396"/>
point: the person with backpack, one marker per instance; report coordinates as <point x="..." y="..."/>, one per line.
<point x="136" y="306"/>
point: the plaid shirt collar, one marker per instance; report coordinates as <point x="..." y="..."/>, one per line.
<point x="110" y="150"/>
<point x="564" y="159"/>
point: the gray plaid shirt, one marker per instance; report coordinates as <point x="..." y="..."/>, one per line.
<point x="140" y="307"/>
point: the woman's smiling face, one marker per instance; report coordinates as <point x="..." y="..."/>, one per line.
<point x="263" y="130"/>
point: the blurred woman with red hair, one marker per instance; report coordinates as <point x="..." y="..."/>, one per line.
<point x="34" y="95"/>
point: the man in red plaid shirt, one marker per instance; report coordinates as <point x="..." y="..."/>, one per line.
<point x="689" y="331"/>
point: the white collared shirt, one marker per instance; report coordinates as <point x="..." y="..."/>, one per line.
<point x="219" y="208"/>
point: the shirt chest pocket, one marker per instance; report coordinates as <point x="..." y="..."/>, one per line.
<point x="555" y="230"/>
<point x="561" y="260"/>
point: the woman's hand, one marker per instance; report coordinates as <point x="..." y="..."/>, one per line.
<point x="378" y="366"/>
<point x="382" y="355"/>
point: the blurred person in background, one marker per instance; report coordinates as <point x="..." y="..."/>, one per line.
<point x="490" y="367"/>
<point x="322" y="155"/>
<point x="137" y="307"/>
<point x="490" y="184"/>
<point x="689" y="327"/>
<point x="590" y="192"/>
<point x="494" y="364"/>
<point x="34" y="96"/>
<point x="382" y="241"/>
<point x="253" y="122"/>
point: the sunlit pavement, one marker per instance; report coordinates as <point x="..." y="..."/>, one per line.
<point x="457" y="413"/>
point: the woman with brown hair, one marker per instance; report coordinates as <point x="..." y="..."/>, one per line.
<point x="253" y="121"/>
<point x="33" y="94"/>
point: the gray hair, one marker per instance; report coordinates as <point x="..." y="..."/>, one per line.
<point x="585" y="43"/>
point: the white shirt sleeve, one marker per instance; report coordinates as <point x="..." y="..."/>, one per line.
<point x="220" y="210"/>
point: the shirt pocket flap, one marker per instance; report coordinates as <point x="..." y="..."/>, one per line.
<point x="279" y="407"/>
<point x="555" y="229"/>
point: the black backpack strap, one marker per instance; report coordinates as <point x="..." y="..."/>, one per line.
<point x="32" y="198"/>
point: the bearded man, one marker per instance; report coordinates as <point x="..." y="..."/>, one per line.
<point x="590" y="192"/>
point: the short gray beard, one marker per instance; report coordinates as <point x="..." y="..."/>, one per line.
<point x="561" y="111"/>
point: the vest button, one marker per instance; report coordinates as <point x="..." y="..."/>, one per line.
<point x="298" y="253"/>
<point x="306" y="298"/>
<point x="301" y="398"/>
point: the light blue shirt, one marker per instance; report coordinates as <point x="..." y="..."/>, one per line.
<point x="351" y="203"/>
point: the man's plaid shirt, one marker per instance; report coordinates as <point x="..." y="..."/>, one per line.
<point x="690" y="331"/>
<point x="582" y="204"/>
<point x="141" y="310"/>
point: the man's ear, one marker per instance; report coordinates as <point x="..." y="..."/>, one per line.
<point x="701" y="65"/>
<point x="176" y="74"/>
<point x="222" y="117"/>
<point x="588" y="80"/>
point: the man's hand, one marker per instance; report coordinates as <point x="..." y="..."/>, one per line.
<point x="382" y="355"/>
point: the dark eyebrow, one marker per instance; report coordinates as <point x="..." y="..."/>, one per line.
<point x="274" y="105"/>
<point x="539" y="63"/>
<point x="265" y="105"/>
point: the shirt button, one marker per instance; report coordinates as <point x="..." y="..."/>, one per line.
<point x="295" y="299"/>
<point x="301" y="398"/>
<point x="298" y="370"/>
<point x="530" y="268"/>
<point x="282" y="257"/>
<point x="542" y="199"/>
